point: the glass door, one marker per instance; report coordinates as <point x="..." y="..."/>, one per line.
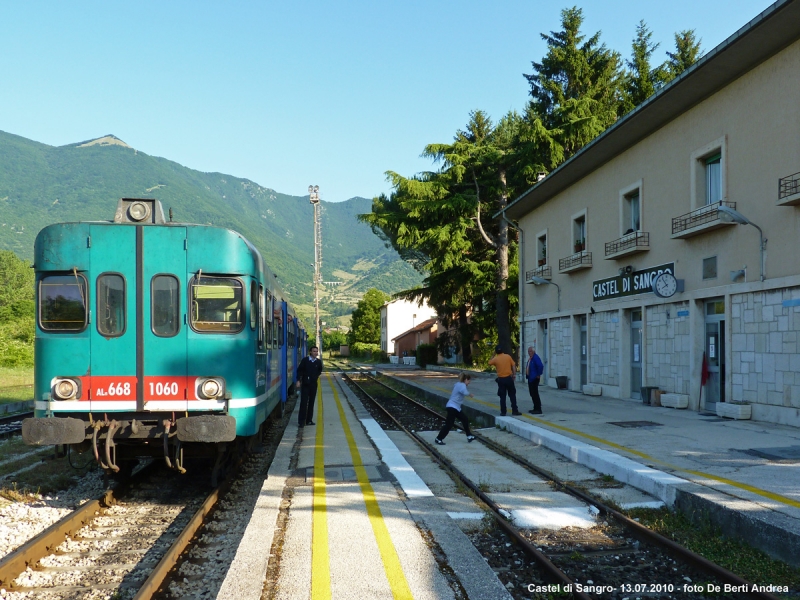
<point x="636" y="354"/>
<point x="715" y="353"/>
<point x="584" y="353"/>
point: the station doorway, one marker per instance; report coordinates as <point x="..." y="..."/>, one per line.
<point x="715" y="353"/>
<point x="636" y="354"/>
<point x="584" y="354"/>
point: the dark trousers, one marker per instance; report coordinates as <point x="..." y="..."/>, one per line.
<point x="308" y="393"/>
<point x="505" y="385"/>
<point x="452" y="413"/>
<point x="533" y="388"/>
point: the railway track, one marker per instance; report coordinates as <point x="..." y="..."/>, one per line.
<point x="12" y="424"/>
<point x="123" y="543"/>
<point x="619" y="553"/>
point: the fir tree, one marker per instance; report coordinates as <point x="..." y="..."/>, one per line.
<point x="687" y="52"/>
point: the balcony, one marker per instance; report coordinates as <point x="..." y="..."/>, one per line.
<point x="700" y="220"/>
<point x="575" y="262"/>
<point x="545" y="272"/>
<point x="789" y="190"/>
<point x="631" y="243"/>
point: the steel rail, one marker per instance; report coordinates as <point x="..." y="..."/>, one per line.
<point x="640" y="531"/>
<point x="15" y="417"/>
<point x="500" y="516"/>
<point x="43" y="544"/>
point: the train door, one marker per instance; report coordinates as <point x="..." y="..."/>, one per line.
<point x="283" y="346"/>
<point x="113" y="323"/>
<point x="164" y="331"/>
<point x="257" y="316"/>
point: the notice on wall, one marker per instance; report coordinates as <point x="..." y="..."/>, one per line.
<point x="712" y="349"/>
<point x="636" y="353"/>
<point x="583" y="350"/>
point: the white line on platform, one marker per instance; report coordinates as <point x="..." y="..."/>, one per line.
<point x="466" y="515"/>
<point x="411" y="483"/>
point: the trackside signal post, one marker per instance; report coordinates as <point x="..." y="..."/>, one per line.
<point x="313" y="197"/>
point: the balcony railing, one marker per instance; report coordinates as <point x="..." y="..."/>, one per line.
<point x="628" y="243"/>
<point x="545" y="272"/>
<point x="789" y="186"/>
<point x="701" y="216"/>
<point x="579" y="260"/>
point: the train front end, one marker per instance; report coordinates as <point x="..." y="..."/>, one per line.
<point x="147" y="338"/>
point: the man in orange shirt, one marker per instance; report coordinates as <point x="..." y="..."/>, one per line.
<point x="506" y="371"/>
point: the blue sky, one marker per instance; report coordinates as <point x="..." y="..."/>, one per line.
<point x="293" y="93"/>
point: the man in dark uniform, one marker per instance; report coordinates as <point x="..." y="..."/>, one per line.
<point x="308" y="372"/>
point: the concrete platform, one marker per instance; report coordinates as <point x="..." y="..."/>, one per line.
<point x="360" y="522"/>
<point x="741" y="474"/>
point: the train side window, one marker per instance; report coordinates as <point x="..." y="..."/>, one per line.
<point x="110" y="304"/>
<point x="165" y="305"/>
<point x="62" y="303"/>
<point x="253" y="305"/>
<point x="268" y="319"/>
<point x="217" y="305"/>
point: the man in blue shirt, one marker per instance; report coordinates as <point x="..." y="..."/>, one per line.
<point x="533" y="372"/>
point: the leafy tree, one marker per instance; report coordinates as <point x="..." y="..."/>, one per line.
<point x="687" y="52"/>
<point x="365" y="326"/>
<point x="642" y="80"/>
<point x="577" y="88"/>
<point x="16" y="287"/>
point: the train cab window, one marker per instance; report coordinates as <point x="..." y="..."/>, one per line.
<point x="62" y="303"/>
<point x="165" y="305"/>
<point x="253" y="305"/>
<point x="217" y="304"/>
<point x="110" y="305"/>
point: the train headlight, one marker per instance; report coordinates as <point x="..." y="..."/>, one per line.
<point x="211" y="388"/>
<point x="138" y="211"/>
<point x="65" y="388"/>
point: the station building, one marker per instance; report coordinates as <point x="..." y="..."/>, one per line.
<point x="653" y="203"/>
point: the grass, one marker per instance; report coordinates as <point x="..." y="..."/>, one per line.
<point x="705" y="539"/>
<point x="16" y="384"/>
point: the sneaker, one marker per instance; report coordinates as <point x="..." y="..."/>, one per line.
<point x="470" y="438"/>
<point x="438" y="442"/>
<point x="536" y="412"/>
<point x="517" y="414"/>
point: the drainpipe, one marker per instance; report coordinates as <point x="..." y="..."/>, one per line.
<point x="521" y="317"/>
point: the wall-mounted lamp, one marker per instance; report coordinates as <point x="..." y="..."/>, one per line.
<point x="730" y="215"/>
<point x="540" y="281"/>
<point x="740" y="274"/>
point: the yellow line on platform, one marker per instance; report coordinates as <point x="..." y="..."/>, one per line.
<point x="742" y="486"/>
<point x="320" y="553"/>
<point x="391" y="562"/>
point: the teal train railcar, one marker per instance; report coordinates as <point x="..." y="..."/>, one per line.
<point x="156" y="338"/>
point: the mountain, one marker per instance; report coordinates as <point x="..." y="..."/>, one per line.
<point x="41" y="184"/>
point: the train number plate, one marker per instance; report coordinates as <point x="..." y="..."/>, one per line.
<point x="112" y="388"/>
<point x="166" y="387"/>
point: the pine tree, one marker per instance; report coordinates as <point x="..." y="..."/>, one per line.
<point x="577" y="88"/>
<point x="687" y="52"/>
<point x="642" y="81"/>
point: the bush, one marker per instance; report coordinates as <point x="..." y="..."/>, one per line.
<point x="364" y="349"/>
<point x="427" y="355"/>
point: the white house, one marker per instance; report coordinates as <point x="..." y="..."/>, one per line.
<point x="398" y="316"/>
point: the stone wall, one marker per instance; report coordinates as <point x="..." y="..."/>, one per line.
<point x="560" y="335"/>
<point x="604" y="348"/>
<point x="764" y="347"/>
<point x="667" y="347"/>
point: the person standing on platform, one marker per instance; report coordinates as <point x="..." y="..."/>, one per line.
<point x="506" y="371"/>
<point x="308" y="372"/>
<point x="533" y="373"/>
<point x="453" y="407"/>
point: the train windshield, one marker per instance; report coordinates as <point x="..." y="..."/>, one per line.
<point x="62" y="303"/>
<point x="217" y="304"/>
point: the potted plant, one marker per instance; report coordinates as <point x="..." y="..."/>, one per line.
<point x="543" y="259"/>
<point x="579" y="245"/>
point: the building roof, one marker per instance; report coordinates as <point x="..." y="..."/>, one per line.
<point x="428" y="324"/>
<point x="760" y="39"/>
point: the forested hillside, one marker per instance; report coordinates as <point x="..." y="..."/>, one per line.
<point x="41" y="184"/>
